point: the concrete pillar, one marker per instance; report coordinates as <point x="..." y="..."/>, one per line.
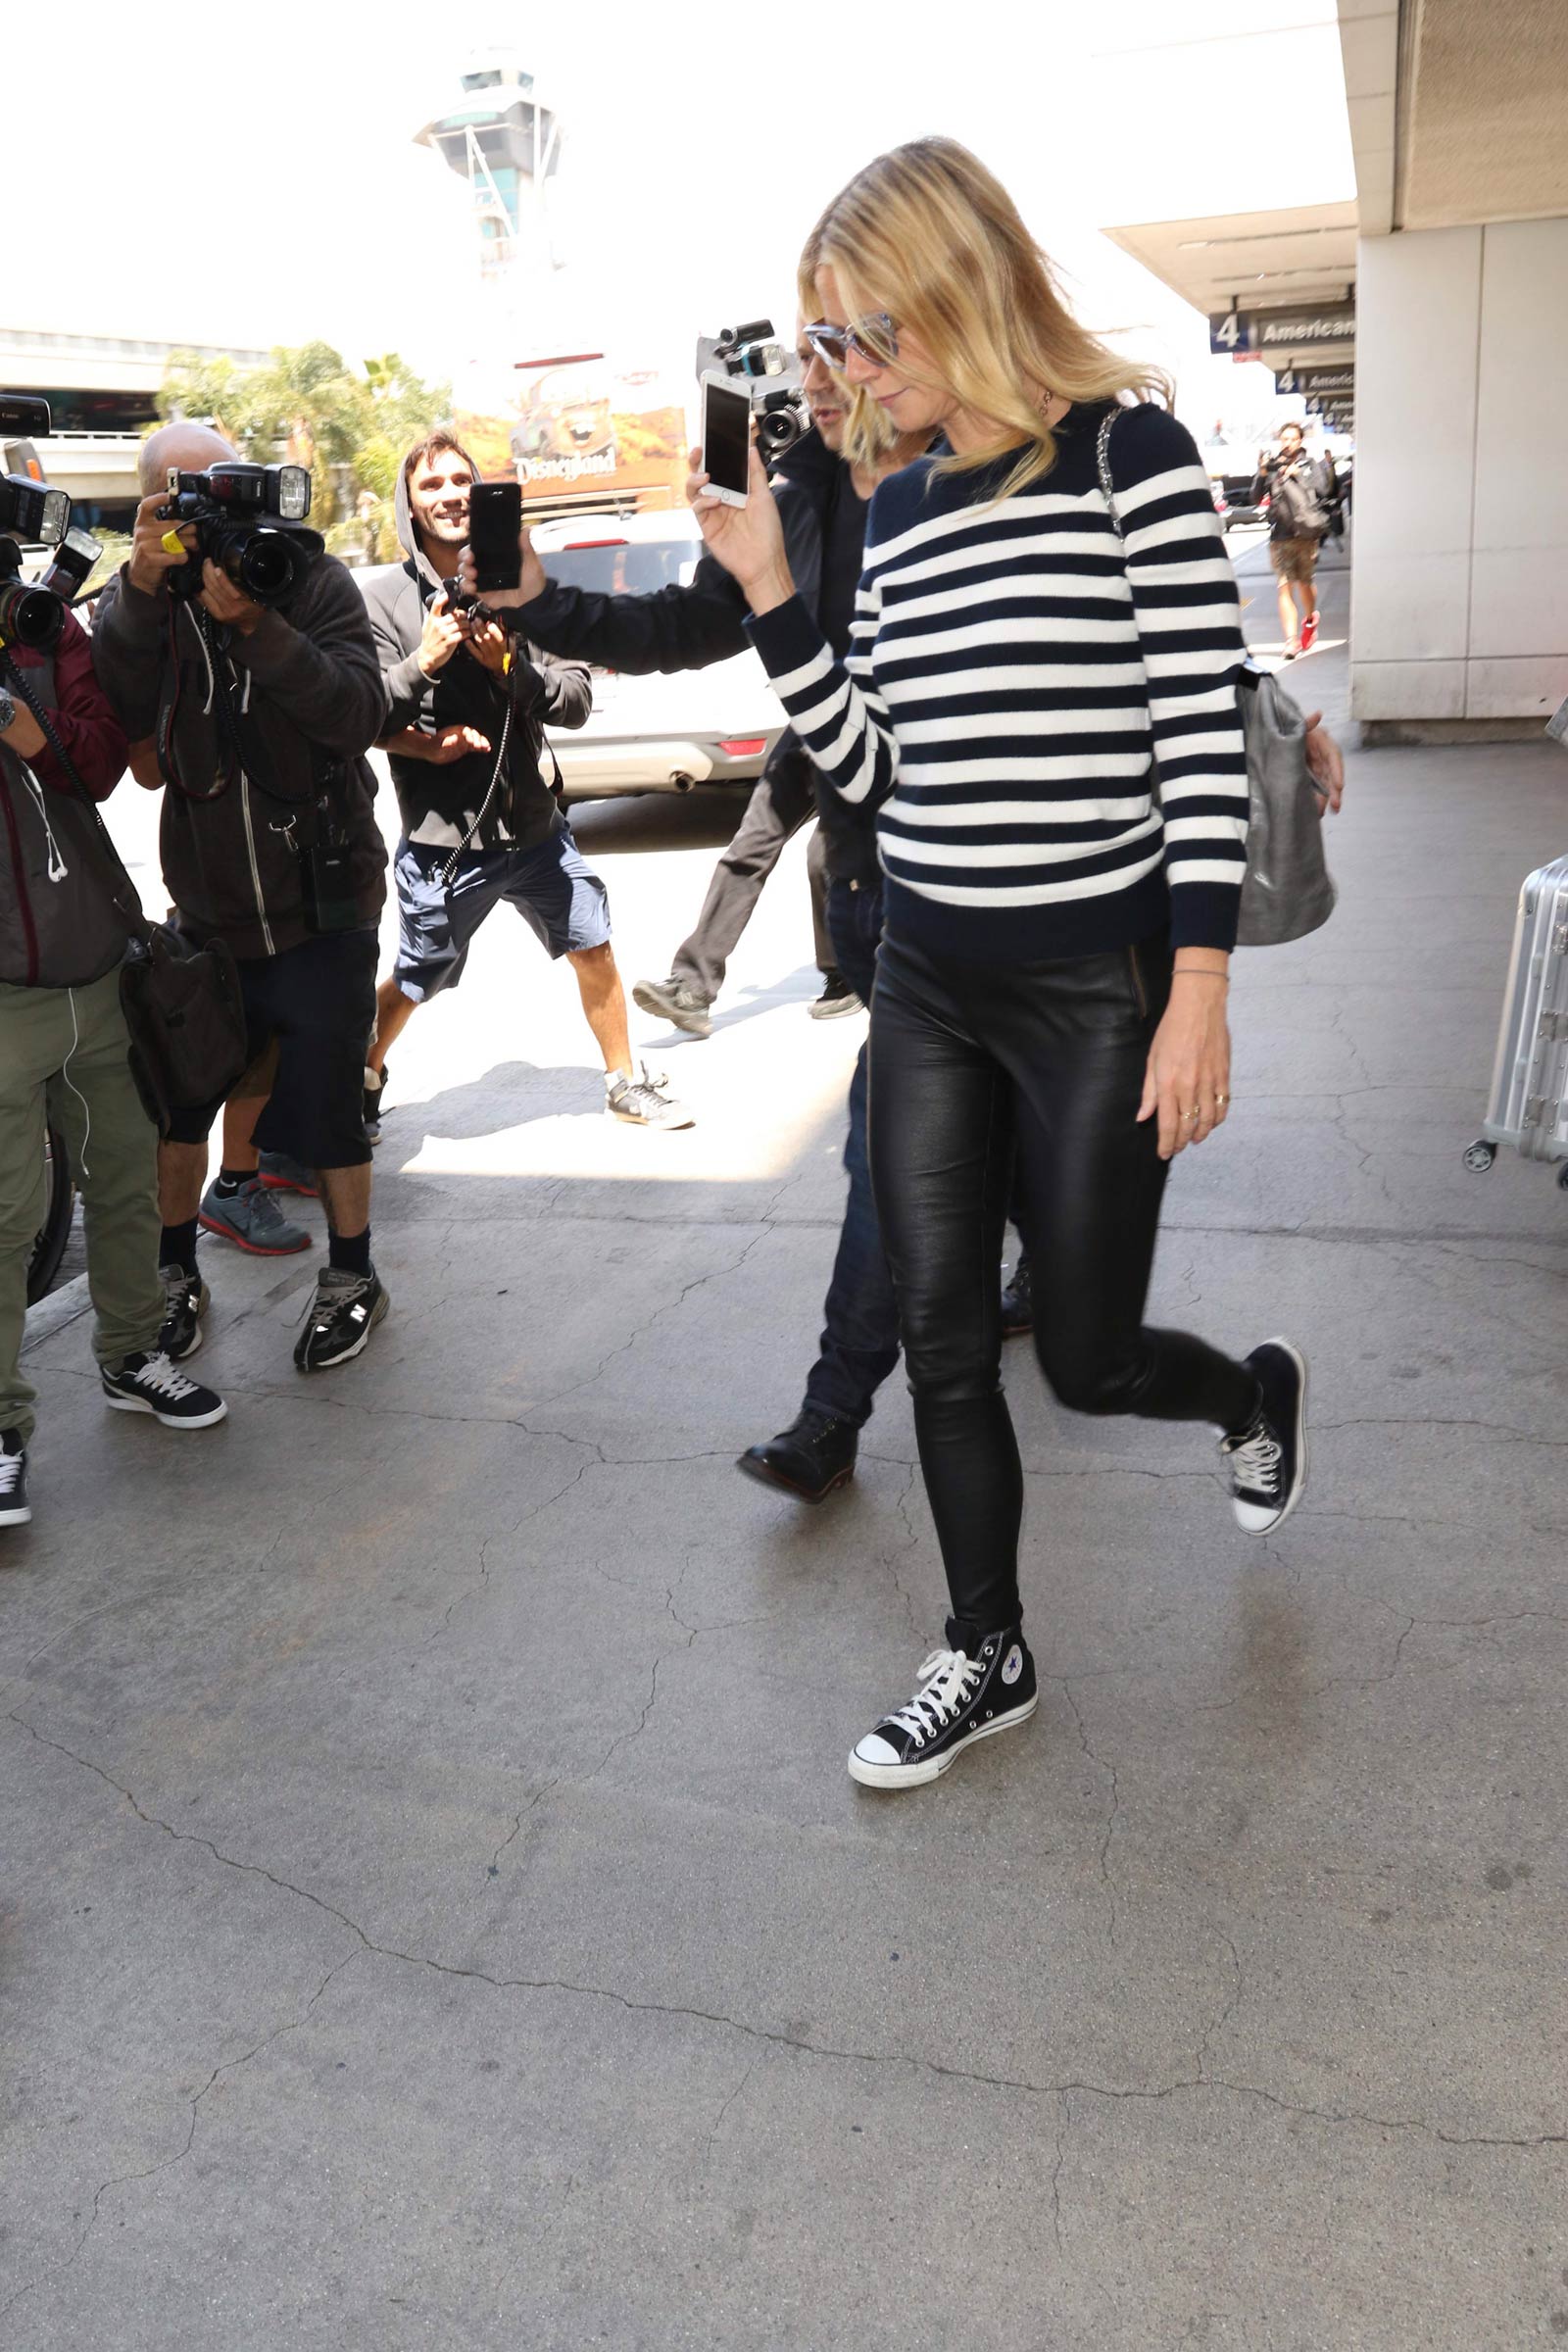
<point x="1459" y="611"/>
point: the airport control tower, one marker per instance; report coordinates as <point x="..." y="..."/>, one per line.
<point x="500" y="137"/>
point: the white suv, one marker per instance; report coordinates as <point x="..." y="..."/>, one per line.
<point x="654" y="734"/>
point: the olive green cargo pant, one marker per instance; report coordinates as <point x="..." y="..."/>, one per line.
<point x="64" y="1049"/>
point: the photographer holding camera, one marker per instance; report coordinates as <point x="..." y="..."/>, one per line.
<point x="64" y="1047"/>
<point x="244" y="651"/>
<point x="466" y="706"/>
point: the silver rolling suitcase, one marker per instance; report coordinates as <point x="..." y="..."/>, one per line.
<point x="1529" y="1107"/>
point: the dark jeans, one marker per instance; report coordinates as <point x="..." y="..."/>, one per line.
<point x="969" y="1063"/>
<point x="860" y="1343"/>
<point x="781" y="801"/>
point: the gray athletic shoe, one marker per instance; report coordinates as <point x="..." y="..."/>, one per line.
<point x="251" y="1220"/>
<point x="644" y="1101"/>
<point x="675" y="1001"/>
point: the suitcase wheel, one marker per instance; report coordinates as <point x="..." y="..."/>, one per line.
<point x="1562" y="1177"/>
<point x="1480" y="1157"/>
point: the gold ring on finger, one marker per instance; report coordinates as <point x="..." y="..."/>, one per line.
<point x="1189" y="1114"/>
<point x="1221" y="1101"/>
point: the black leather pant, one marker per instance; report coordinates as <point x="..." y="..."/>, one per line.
<point x="969" y="1060"/>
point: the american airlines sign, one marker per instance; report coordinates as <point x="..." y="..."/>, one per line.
<point x="1258" y="332"/>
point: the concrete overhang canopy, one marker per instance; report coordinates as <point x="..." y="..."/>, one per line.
<point x="1288" y="259"/>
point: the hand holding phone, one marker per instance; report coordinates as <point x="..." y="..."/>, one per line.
<point x="495" y="529"/>
<point x="727" y="438"/>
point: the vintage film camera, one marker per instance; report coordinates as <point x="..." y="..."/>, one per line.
<point x="250" y="519"/>
<point x="755" y="357"/>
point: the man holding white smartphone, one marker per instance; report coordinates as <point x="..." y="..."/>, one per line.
<point x="466" y="706"/>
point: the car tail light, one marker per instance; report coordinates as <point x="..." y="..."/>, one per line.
<point x="571" y="546"/>
<point x="743" y="746"/>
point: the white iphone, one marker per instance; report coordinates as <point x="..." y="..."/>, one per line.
<point x="727" y="437"/>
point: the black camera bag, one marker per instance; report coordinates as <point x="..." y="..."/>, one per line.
<point x="182" y="1002"/>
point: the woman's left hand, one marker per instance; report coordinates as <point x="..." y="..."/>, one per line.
<point x="1190" y="1063"/>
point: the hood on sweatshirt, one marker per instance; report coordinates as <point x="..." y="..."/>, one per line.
<point x="439" y="437"/>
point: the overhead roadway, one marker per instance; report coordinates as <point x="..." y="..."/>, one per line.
<point x="1456" y="116"/>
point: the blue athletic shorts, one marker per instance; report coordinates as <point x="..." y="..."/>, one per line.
<point x="552" y="886"/>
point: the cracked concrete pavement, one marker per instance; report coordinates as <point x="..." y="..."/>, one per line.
<point x="436" y="1913"/>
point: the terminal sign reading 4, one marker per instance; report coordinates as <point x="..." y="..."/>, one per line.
<point x="1264" y="331"/>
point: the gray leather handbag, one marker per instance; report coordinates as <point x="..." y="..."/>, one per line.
<point x="1288" y="890"/>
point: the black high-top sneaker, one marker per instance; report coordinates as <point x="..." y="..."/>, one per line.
<point x="1268" y="1458"/>
<point x="960" y="1699"/>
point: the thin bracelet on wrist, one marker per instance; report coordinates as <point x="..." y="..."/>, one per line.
<point x="1196" y="971"/>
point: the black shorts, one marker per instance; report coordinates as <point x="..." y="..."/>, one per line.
<point x="310" y="1015"/>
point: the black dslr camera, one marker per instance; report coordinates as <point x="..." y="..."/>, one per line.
<point x="250" y="519"/>
<point x="33" y="612"/>
<point x="753" y="355"/>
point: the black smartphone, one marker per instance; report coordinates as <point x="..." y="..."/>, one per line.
<point x="495" y="523"/>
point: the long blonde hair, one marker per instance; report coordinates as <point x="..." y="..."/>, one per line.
<point x="929" y="235"/>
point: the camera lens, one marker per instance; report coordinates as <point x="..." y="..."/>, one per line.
<point x="29" y="617"/>
<point x="266" y="564"/>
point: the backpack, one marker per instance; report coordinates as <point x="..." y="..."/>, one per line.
<point x="1302" y="504"/>
<point x="1287" y="890"/>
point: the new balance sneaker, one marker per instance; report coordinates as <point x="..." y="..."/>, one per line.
<point x="1268" y="1459"/>
<point x="675" y="1001"/>
<point x="1308" y="632"/>
<point x="837" y="997"/>
<point x="811" y="1458"/>
<point x="14" y="1508"/>
<point x="960" y="1699"/>
<point x="1018" y="1300"/>
<point x="281" y="1174"/>
<point x="150" y="1384"/>
<point x="374" y="1089"/>
<point x="644" y="1101"/>
<point x="251" y="1220"/>
<point x="340" y="1318"/>
<point x="185" y="1301"/>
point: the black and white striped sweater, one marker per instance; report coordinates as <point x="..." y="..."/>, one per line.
<point x="1015" y="670"/>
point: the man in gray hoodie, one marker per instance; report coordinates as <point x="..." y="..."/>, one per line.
<point x="467" y="704"/>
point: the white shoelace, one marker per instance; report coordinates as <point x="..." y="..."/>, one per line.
<point x="158" y="1373"/>
<point x="949" y="1680"/>
<point x="9" y="1473"/>
<point x="1256" y="1460"/>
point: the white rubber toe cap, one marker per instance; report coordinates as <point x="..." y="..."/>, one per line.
<point x="874" y="1749"/>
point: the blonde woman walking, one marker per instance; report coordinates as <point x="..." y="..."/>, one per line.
<point x="1052" y="976"/>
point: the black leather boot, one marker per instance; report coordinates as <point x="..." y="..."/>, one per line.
<point x="1018" y="1300"/>
<point x="810" y="1458"/>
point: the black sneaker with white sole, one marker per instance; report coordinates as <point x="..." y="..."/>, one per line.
<point x="1268" y="1459"/>
<point x="960" y="1699"/>
<point x="185" y="1301"/>
<point x="837" y="998"/>
<point x="342" y="1314"/>
<point x="14" y="1508"/>
<point x="150" y="1384"/>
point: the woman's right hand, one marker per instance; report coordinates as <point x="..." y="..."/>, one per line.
<point x="749" y="540"/>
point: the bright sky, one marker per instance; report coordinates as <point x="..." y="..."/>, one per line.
<point x="202" y="200"/>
